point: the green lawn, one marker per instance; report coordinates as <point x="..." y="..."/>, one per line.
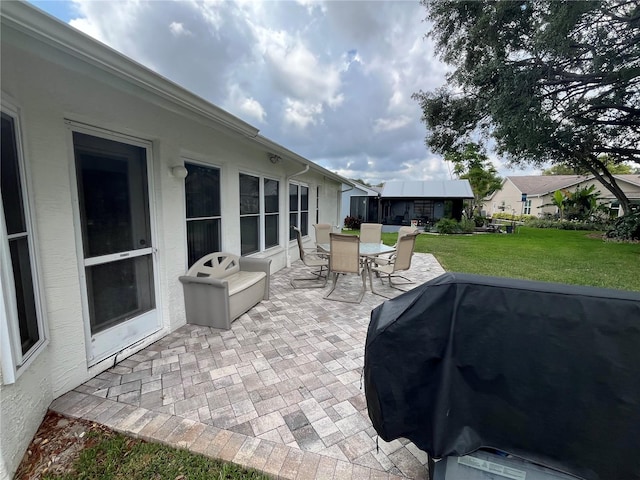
<point x="537" y="254"/>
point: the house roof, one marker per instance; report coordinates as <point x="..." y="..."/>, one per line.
<point x="537" y="185"/>
<point x="369" y="191"/>
<point x="427" y="189"/>
<point x="542" y="184"/>
<point x="50" y="31"/>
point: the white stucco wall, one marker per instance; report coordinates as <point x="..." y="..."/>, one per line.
<point x="50" y="87"/>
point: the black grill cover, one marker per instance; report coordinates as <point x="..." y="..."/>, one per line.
<point x="547" y="372"/>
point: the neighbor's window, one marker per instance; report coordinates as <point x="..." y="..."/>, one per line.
<point x="20" y="289"/>
<point x="202" y="191"/>
<point x="298" y="209"/>
<point x="527" y="207"/>
<point x="259" y="213"/>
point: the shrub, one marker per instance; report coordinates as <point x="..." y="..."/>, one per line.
<point x="352" y="223"/>
<point x="626" y="228"/>
<point x="593" y="225"/>
<point x="466" y="225"/>
<point x="479" y="220"/>
<point x="447" y="225"/>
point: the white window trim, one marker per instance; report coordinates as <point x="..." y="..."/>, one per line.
<point x="201" y="163"/>
<point x="299" y="210"/>
<point x="262" y="214"/>
<point x="14" y="363"/>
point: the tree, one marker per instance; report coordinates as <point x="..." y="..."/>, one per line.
<point x="614" y="169"/>
<point x="473" y="164"/>
<point x="551" y="82"/>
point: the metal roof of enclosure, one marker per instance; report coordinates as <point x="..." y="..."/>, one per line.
<point x="427" y="189"/>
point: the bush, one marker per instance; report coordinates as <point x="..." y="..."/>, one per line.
<point x="568" y="224"/>
<point x="626" y="228"/>
<point x="466" y="225"/>
<point x="447" y="225"/>
<point x="479" y="220"/>
<point x="352" y="223"/>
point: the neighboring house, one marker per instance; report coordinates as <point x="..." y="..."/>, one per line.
<point x="361" y="202"/>
<point x="98" y="220"/>
<point x="426" y="201"/>
<point x="539" y="191"/>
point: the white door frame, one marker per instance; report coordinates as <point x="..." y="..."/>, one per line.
<point x="151" y="321"/>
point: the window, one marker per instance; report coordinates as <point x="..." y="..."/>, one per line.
<point x="527" y="207"/>
<point x="202" y="191"/>
<point x="24" y="327"/>
<point x="298" y="209"/>
<point x="259" y="213"/>
<point x="318" y="204"/>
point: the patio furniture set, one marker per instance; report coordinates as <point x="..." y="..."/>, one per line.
<point x="338" y="254"/>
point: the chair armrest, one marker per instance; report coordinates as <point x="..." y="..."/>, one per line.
<point x="255" y="265"/>
<point x="382" y="260"/>
<point x="258" y="265"/>
<point x="214" y="282"/>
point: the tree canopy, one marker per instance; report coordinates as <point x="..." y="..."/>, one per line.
<point x="551" y="81"/>
<point x="473" y="164"/>
<point x="614" y="168"/>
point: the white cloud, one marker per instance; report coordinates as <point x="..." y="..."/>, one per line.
<point x="388" y="124"/>
<point x="301" y="115"/>
<point x="178" y="29"/>
<point x="249" y="106"/>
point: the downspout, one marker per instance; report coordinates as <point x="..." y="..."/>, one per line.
<point x="287" y="223"/>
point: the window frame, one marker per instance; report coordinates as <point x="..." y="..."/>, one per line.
<point x="187" y="219"/>
<point x="14" y="362"/>
<point x="526" y="207"/>
<point x="262" y="213"/>
<point x="298" y="213"/>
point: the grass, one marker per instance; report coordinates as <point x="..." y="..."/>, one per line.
<point x="563" y="256"/>
<point x="118" y="457"/>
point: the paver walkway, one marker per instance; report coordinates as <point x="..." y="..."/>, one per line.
<point x="280" y="392"/>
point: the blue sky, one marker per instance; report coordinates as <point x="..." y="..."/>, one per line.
<point x="329" y="80"/>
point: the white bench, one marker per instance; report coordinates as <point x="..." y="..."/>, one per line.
<point x="221" y="286"/>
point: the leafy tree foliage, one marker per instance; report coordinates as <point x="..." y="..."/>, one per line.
<point x="550" y="81"/>
<point x="473" y="164"/>
<point x="614" y="169"/>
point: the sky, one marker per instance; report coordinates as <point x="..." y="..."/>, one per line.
<point x="329" y="80"/>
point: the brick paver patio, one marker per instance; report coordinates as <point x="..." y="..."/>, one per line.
<point x="280" y="392"/>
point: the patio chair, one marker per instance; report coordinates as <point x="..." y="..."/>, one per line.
<point x="371" y="232"/>
<point x="345" y="258"/>
<point x="322" y="232"/>
<point x="399" y="262"/>
<point x="312" y="259"/>
<point x="402" y="231"/>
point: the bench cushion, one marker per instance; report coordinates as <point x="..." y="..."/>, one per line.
<point x="241" y="280"/>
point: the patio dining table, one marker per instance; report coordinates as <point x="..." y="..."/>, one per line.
<point x="368" y="251"/>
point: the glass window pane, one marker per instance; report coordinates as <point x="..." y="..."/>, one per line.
<point x="25" y="296"/>
<point x="271" y="188"/>
<point x="271" y="230"/>
<point x="293" y="198"/>
<point x="304" y="198"/>
<point x="10" y="179"/>
<point x="249" y="242"/>
<point x="203" y="237"/>
<point x="249" y="194"/>
<point x="202" y="190"/>
<point x="114" y="203"/>
<point x="293" y="222"/>
<point x="119" y="291"/>
<point x="304" y="223"/>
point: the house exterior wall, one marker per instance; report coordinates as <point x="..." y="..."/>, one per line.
<point x="346" y="200"/>
<point x="50" y="88"/>
<point x="511" y="197"/>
